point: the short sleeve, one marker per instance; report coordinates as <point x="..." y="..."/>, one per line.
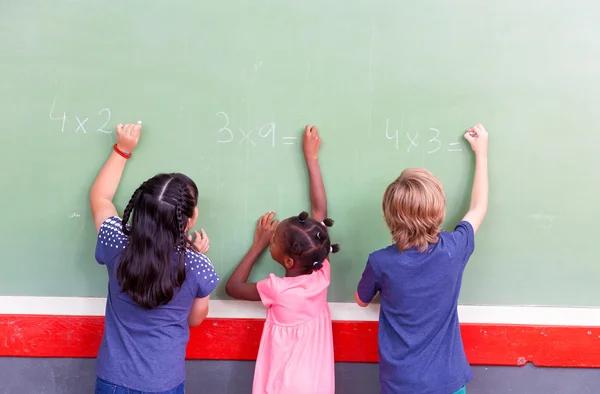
<point x="465" y="240"/>
<point x="368" y="285"/>
<point x="111" y="241"/>
<point x="204" y="273"/>
<point x="268" y="290"/>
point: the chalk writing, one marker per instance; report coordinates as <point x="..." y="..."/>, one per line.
<point x="251" y="136"/>
<point x="266" y="130"/>
<point x="393" y="136"/>
<point x="289" y="140"/>
<point x="64" y="117"/>
<point x="413" y="141"/>
<point x="432" y="137"/>
<point x="80" y="122"/>
<point x="101" y="129"/>
<point x="246" y="136"/>
<point x="454" y="147"/>
<point x="435" y="140"/>
<point x="225" y="128"/>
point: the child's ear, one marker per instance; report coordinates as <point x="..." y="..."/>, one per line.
<point x="192" y="221"/>
<point x="288" y="262"/>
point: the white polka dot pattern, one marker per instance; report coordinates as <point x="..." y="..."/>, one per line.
<point x="111" y="233"/>
<point x="202" y="269"/>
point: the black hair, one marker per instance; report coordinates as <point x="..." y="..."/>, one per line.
<point x="149" y="271"/>
<point x="307" y="242"/>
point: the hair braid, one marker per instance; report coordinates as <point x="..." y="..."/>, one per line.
<point x="181" y="223"/>
<point x="129" y="209"/>
<point x="180" y="240"/>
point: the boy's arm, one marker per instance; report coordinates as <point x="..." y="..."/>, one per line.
<point x="108" y="179"/>
<point x="311" y="142"/>
<point x="368" y="287"/>
<point x="237" y="285"/>
<point x="478" y="138"/>
<point x="359" y="301"/>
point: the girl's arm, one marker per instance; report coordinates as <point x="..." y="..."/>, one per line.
<point x="198" y="312"/>
<point x="106" y="183"/>
<point x="311" y="142"/>
<point x="478" y="138"/>
<point x="237" y="285"/>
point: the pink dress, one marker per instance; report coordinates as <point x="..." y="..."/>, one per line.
<point x="296" y="348"/>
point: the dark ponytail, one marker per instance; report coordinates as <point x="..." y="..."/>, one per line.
<point x="153" y="265"/>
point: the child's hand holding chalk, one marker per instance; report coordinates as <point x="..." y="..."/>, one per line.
<point x="478" y="139"/>
<point x="128" y="136"/>
<point x="311" y="143"/>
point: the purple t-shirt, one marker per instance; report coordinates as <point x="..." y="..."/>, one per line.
<point x="420" y="347"/>
<point x="144" y="349"/>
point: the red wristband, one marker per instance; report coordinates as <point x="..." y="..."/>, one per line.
<point x="120" y="152"/>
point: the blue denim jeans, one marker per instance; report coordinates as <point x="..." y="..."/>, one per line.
<point x="104" y="387"/>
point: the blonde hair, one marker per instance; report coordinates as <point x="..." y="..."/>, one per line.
<point x="414" y="207"/>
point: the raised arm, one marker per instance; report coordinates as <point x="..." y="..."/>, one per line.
<point x="311" y="142"/>
<point x="478" y="138"/>
<point x="237" y="285"/>
<point x="106" y="183"/>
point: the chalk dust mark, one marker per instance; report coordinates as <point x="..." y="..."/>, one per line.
<point x="308" y="91"/>
<point x="370" y="81"/>
<point x="543" y="221"/>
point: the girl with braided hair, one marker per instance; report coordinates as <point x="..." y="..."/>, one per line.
<point x="296" y="348"/>
<point x="159" y="280"/>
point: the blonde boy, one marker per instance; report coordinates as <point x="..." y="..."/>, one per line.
<point x="419" y="279"/>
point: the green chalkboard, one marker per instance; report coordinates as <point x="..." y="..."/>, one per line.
<point x="224" y="89"/>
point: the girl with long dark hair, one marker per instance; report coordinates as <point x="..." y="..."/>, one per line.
<point x="159" y="280"/>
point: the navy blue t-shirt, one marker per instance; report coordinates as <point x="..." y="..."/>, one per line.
<point x="420" y="346"/>
<point x="144" y="349"/>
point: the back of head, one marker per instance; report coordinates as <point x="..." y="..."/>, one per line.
<point x="160" y="209"/>
<point x="414" y="207"/>
<point x="307" y="242"/>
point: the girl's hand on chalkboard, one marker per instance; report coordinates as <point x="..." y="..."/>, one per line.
<point x="264" y="230"/>
<point x="477" y="137"/>
<point x="128" y="136"/>
<point x="200" y="241"/>
<point x="311" y="141"/>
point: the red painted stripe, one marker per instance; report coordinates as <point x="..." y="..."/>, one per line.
<point x="238" y="339"/>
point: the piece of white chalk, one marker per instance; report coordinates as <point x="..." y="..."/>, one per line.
<point x="139" y="122"/>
